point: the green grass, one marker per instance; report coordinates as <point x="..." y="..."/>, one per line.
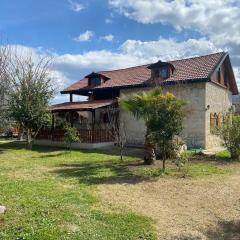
<point x="205" y="169"/>
<point x="192" y="169"/>
<point x="51" y="194"/>
<point x="223" y="155"/>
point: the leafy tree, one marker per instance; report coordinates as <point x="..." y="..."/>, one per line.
<point x="31" y="88"/>
<point x="70" y="136"/>
<point x="230" y="133"/>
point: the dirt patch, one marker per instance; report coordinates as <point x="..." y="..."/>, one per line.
<point x="27" y="174"/>
<point x="182" y="208"/>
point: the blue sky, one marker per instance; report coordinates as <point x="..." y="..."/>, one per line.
<point x="104" y="34"/>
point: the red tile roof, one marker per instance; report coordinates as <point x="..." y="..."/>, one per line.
<point x="186" y="69"/>
<point x="86" y="105"/>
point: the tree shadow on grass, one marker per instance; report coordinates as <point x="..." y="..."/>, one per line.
<point x="100" y="173"/>
<point x="59" y="151"/>
<point x="226" y="230"/>
<point x="216" y="159"/>
<point x="19" y="145"/>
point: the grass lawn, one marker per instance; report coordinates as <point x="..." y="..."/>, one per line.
<point x="54" y="194"/>
<point x="51" y="195"/>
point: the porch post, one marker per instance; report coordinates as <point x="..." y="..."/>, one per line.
<point x="93" y="125"/>
<point x="71" y="119"/>
<point x="53" y="125"/>
<point x="71" y="97"/>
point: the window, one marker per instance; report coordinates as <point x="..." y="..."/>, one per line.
<point x="225" y="78"/>
<point x="216" y="121"/>
<point x="219" y="75"/>
<point x="95" y="81"/>
<point x="163" y="72"/>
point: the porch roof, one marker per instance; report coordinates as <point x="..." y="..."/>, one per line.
<point x="81" y="106"/>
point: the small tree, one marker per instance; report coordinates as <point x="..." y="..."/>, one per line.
<point x="166" y="122"/>
<point x="30" y="89"/>
<point x="230" y="134"/>
<point x="70" y="136"/>
<point x="116" y="128"/>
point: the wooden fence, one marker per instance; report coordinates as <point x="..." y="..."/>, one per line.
<point x="85" y="135"/>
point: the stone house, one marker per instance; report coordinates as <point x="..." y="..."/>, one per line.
<point x="207" y="83"/>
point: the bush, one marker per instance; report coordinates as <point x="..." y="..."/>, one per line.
<point x="70" y="136"/>
<point x="182" y="163"/>
<point x="230" y="133"/>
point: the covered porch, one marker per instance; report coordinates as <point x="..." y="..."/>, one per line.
<point x="90" y="118"/>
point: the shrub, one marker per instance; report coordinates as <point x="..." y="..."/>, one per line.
<point x="230" y="133"/>
<point x="70" y="136"/>
<point x="182" y="163"/>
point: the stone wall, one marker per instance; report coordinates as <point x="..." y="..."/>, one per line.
<point x="194" y="123"/>
<point x="219" y="100"/>
<point x="196" y="131"/>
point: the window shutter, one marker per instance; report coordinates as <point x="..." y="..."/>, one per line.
<point x="220" y="119"/>
<point x="212" y="122"/>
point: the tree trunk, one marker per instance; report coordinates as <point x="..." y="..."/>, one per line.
<point x="29" y="139"/>
<point x="121" y="154"/>
<point x="164" y="165"/>
<point x="121" y="151"/>
<point x="164" y="159"/>
<point x="150" y="155"/>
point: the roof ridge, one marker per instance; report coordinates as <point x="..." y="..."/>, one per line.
<point x="143" y="65"/>
<point x="202" y="56"/>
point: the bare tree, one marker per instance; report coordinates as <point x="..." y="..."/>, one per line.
<point x="117" y="128"/>
<point x="31" y="88"/>
<point x="4" y="86"/>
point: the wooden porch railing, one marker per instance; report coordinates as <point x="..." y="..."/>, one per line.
<point x="86" y="135"/>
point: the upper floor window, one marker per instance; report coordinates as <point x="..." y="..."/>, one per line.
<point x="225" y="78"/>
<point x="219" y="75"/>
<point x="95" y="81"/>
<point x="163" y="72"/>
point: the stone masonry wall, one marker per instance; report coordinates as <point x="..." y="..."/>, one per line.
<point x="220" y="101"/>
<point x="194" y="123"/>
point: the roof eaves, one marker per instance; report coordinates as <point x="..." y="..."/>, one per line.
<point x="187" y="81"/>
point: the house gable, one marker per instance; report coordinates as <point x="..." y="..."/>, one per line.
<point x="223" y="75"/>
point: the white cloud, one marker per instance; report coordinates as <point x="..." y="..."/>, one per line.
<point x="76" y="6"/>
<point x="108" y="20"/>
<point x="84" y="37"/>
<point x="167" y="49"/>
<point x="219" y="19"/>
<point x="108" y="38"/>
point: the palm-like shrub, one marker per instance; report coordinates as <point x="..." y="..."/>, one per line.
<point x="163" y="115"/>
<point x="139" y="105"/>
